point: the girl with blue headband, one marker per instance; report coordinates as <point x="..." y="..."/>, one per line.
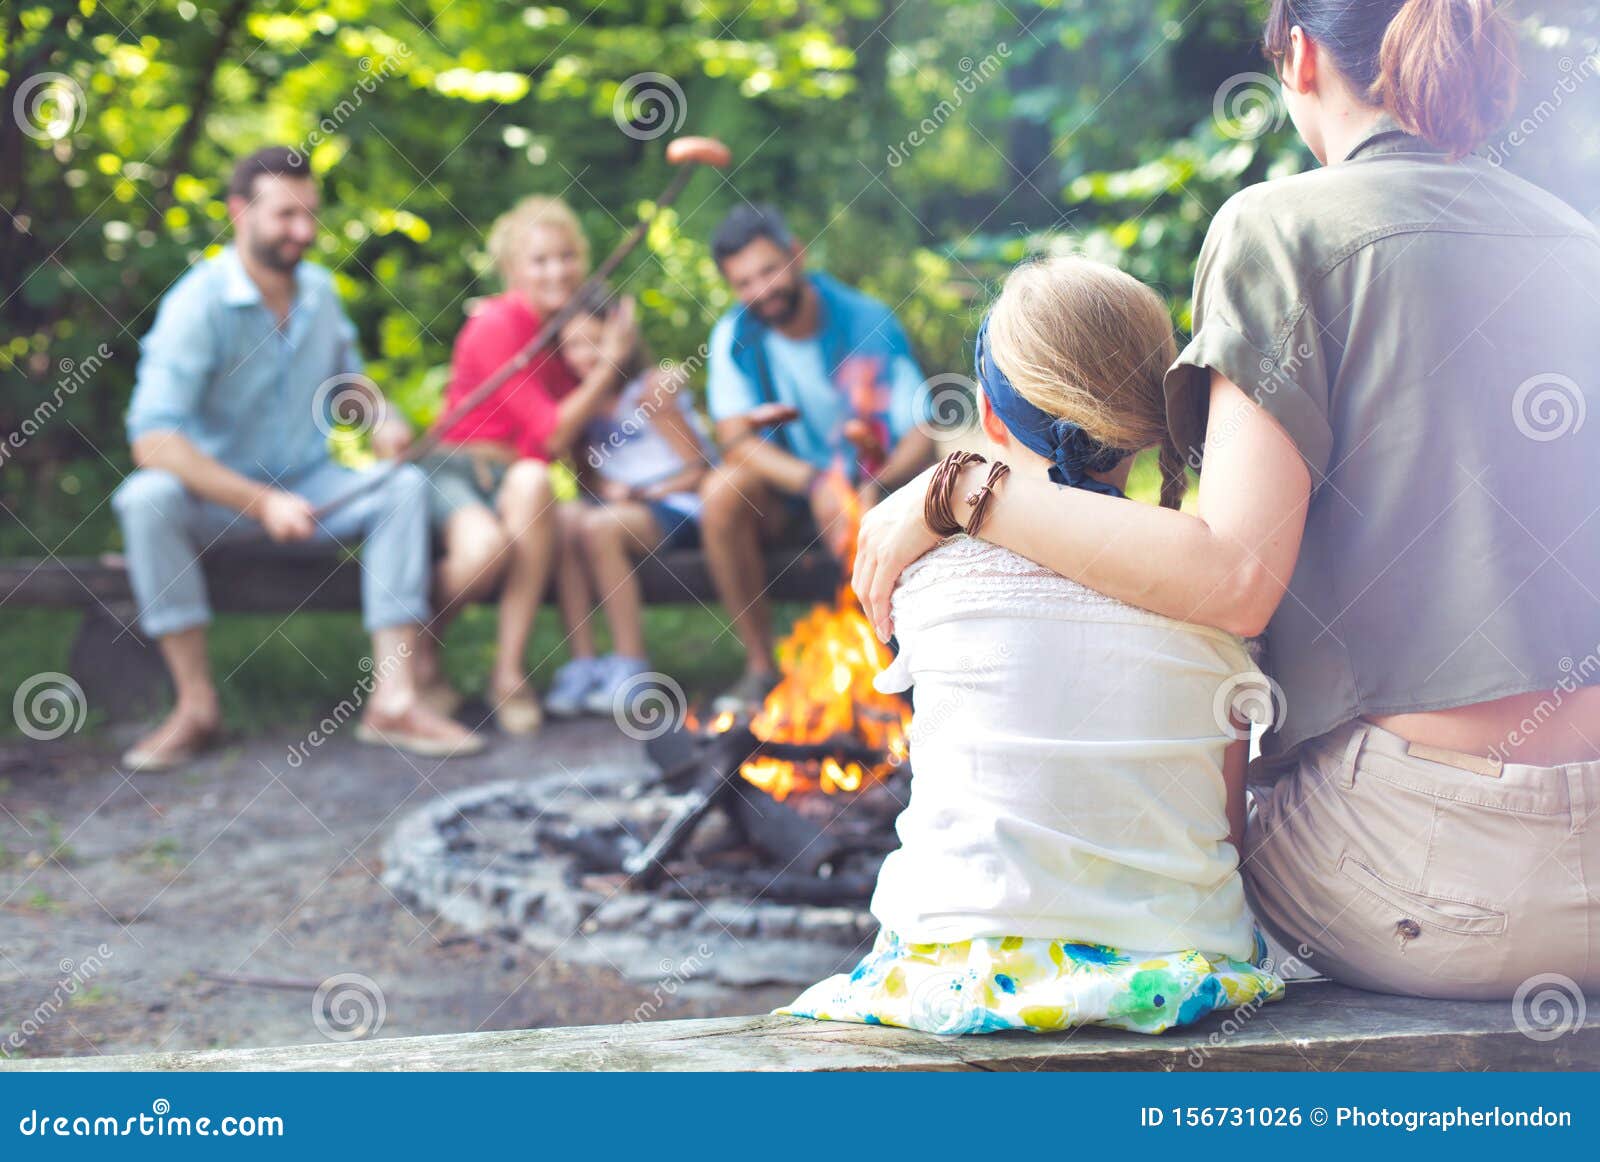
<point x="1069" y="855"/>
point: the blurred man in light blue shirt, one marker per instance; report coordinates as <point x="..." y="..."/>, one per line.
<point x="250" y="355"/>
<point x="247" y="391"/>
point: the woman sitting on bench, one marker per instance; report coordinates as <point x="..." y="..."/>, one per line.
<point x="1391" y="362"/>
<point x="491" y="493"/>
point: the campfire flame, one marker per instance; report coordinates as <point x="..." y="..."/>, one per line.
<point x="826" y="695"/>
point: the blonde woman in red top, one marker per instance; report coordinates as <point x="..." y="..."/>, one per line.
<point x="491" y="495"/>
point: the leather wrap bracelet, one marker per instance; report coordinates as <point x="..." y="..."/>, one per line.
<point x="937" y="510"/>
<point x="979" y="498"/>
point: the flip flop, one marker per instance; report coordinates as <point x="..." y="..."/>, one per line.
<point x="148" y="762"/>
<point x="432" y="748"/>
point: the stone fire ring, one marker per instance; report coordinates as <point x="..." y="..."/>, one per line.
<point x="472" y="857"/>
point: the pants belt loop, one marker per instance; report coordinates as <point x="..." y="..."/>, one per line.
<point x="1352" y="756"/>
<point x="1577" y="797"/>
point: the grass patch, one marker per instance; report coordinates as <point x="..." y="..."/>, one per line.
<point x="272" y="670"/>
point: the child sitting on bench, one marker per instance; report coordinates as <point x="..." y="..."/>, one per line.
<point x="640" y="466"/>
<point x="1069" y="855"/>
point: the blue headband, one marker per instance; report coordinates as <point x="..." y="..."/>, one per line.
<point x="1072" y="452"/>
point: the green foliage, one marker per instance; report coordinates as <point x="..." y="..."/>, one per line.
<point x="920" y="148"/>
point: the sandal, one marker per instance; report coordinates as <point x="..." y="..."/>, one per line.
<point x="154" y="754"/>
<point x="519" y="714"/>
<point x="416" y="742"/>
<point x="442" y="698"/>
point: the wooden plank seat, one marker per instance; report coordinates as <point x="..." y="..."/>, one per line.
<point x="1319" y="1026"/>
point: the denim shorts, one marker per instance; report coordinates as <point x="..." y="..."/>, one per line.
<point x="679" y="529"/>
<point x="799" y="522"/>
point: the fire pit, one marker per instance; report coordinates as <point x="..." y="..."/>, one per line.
<point x="647" y="868"/>
<point x="745" y="832"/>
<point x="685" y="860"/>
<point x="756" y="891"/>
<point x="818" y="770"/>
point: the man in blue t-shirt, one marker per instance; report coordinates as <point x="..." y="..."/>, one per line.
<point x="815" y="393"/>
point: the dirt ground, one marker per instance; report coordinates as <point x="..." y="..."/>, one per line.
<point x="203" y="908"/>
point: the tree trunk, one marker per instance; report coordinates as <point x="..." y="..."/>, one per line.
<point x="201" y="94"/>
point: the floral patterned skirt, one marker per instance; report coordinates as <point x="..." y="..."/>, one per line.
<point x="986" y="985"/>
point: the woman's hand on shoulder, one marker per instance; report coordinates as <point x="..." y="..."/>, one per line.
<point x="893" y="534"/>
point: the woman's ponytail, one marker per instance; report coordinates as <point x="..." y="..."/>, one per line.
<point x="1447" y="71"/>
<point x="1174" y="475"/>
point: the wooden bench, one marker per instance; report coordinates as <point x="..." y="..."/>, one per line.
<point x="121" y="671"/>
<point x="1318" y="1026"/>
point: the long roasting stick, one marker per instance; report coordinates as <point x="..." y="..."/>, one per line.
<point x="684" y="152"/>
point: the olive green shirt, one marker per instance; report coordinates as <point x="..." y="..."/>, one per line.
<point x="1427" y="332"/>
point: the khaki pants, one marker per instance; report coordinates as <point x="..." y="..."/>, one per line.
<point x="1413" y="875"/>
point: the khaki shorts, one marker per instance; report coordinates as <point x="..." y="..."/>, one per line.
<point x="1417" y="875"/>
<point x="458" y="479"/>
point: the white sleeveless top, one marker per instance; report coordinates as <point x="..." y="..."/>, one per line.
<point x="1066" y="757"/>
<point x="626" y="446"/>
